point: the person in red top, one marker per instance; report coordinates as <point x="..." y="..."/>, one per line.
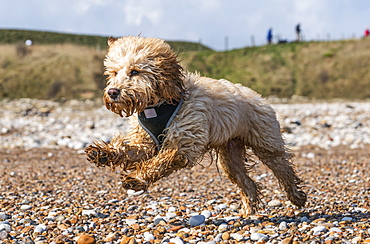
<point x="367" y="32"/>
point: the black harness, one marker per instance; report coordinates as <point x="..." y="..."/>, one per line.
<point x="156" y="119"/>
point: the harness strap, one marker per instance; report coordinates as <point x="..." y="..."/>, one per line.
<point x="156" y="119"/>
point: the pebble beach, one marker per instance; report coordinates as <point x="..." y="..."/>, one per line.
<point x="51" y="194"/>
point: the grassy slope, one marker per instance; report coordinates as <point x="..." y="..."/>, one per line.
<point x="317" y="70"/>
<point x="322" y="70"/>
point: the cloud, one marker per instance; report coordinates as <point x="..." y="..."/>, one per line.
<point x="147" y="9"/>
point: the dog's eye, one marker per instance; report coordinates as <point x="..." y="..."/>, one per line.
<point x="134" y="72"/>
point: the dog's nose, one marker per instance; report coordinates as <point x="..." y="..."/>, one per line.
<point x="113" y="93"/>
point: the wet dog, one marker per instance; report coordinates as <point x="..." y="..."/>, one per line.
<point x="180" y="116"/>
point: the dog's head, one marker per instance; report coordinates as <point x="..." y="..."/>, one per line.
<point x="141" y="72"/>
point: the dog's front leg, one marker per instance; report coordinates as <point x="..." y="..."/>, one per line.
<point x="104" y="154"/>
<point x="152" y="170"/>
<point x="122" y="151"/>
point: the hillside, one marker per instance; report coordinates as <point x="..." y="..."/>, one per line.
<point x="73" y="69"/>
<point x="322" y="70"/>
<point x="11" y="36"/>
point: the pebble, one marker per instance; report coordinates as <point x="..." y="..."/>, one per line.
<point x="88" y="212"/>
<point x="274" y="203"/>
<point x="4" y="216"/>
<point x="134" y="193"/>
<point x="176" y="240"/>
<point x="222" y="227"/>
<point x="5" y="227"/>
<point x="86" y="239"/>
<point x="40" y="228"/>
<point x="26" y="207"/>
<point x="206" y="213"/>
<point x="283" y="225"/>
<point x="317" y="230"/>
<point x="257" y="236"/>
<point x="196" y="220"/>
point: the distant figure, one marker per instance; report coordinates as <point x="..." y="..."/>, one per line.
<point x="298" y="32"/>
<point x="269" y="36"/>
<point x="367" y="32"/>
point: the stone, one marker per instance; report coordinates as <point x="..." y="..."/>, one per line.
<point x="26" y="207"/>
<point x="5" y="227"/>
<point x="257" y="236"/>
<point x="222" y="227"/>
<point x="88" y="212"/>
<point x="86" y="239"/>
<point x="40" y="228"/>
<point x="283" y="225"/>
<point x="274" y="203"/>
<point x="196" y="220"/>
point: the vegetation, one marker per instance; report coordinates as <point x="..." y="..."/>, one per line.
<point x="64" y="66"/>
<point x="9" y="36"/>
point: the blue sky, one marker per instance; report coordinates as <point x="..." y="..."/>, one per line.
<point x="208" y="21"/>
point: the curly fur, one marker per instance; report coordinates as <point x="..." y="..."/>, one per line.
<point x="215" y="115"/>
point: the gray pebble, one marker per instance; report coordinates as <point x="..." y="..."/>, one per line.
<point x="157" y="220"/>
<point x="196" y="220"/>
<point x="304" y="219"/>
<point x="3" y="235"/>
<point x="4" y="216"/>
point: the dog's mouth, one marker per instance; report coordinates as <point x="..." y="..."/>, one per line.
<point x="126" y="103"/>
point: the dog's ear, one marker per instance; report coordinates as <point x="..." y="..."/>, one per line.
<point x="111" y="40"/>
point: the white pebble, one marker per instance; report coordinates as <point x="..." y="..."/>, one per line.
<point x="171" y="215"/>
<point x="171" y="209"/>
<point x="131" y="221"/>
<point x="26" y="207"/>
<point x="134" y="193"/>
<point x="274" y="203"/>
<point x="5" y="227"/>
<point x="40" y="228"/>
<point x="206" y="213"/>
<point x="236" y="236"/>
<point x="148" y="236"/>
<point x="318" y="229"/>
<point x="177" y="240"/>
<point x="283" y="225"/>
<point x="222" y="227"/>
<point x="221" y="206"/>
<point x="257" y="236"/>
<point x="88" y="212"/>
<point x="335" y="229"/>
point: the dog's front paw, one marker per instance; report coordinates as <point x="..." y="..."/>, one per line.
<point x="132" y="183"/>
<point x="100" y="156"/>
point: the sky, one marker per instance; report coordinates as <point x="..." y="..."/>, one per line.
<point x="218" y="24"/>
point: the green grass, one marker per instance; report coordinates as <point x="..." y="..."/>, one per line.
<point x="64" y="66"/>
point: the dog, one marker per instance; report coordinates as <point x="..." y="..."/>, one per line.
<point x="179" y="116"/>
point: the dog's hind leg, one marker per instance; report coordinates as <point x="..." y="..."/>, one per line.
<point x="232" y="160"/>
<point x="280" y="164"/>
